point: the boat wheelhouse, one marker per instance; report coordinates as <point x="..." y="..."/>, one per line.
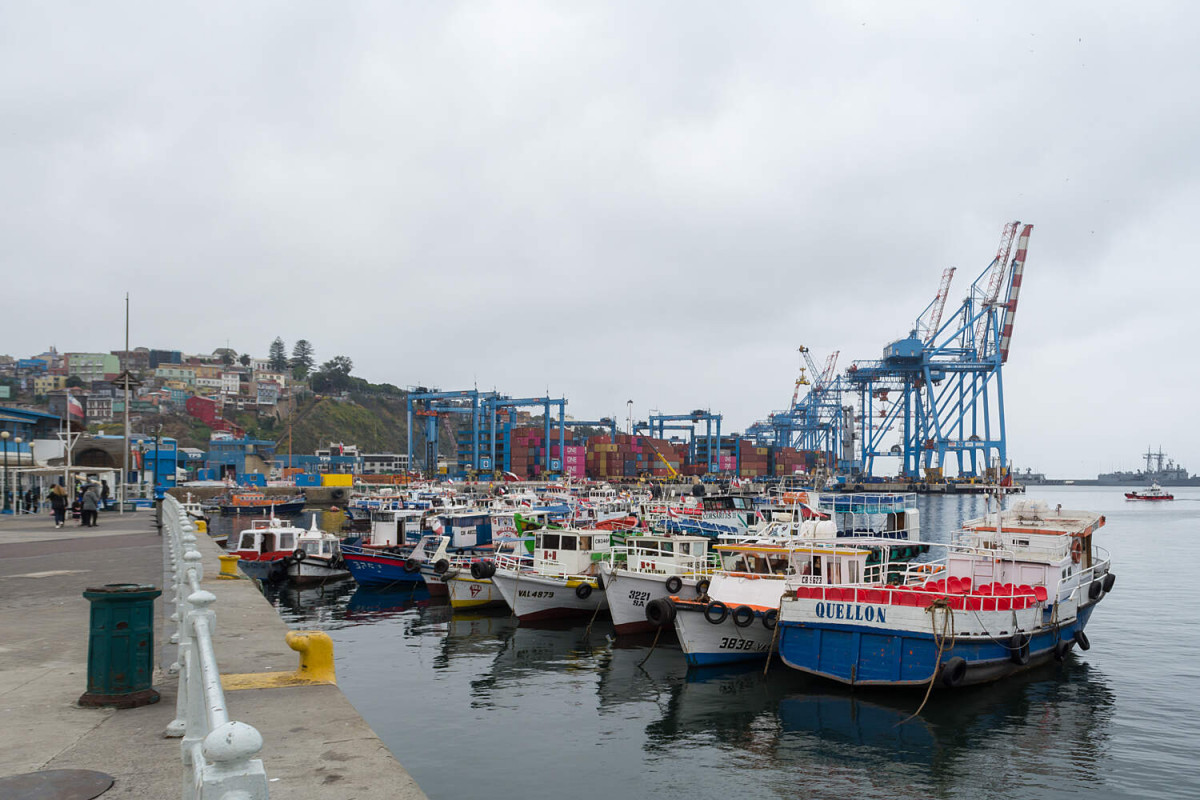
<point x="649" y="567"/>
<point x="563" y="579"/>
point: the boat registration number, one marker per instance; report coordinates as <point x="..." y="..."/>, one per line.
<point x="639" y="598"/>
<point x="734" y="643"/>
<point x="534" y="593"/>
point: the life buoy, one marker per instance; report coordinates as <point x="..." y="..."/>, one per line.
<point x="1082" y="640"/>
<point x="1076" y="550"/>
<point x="1018" y="649"/>
<point x="743" y="616"/>
<point x="1109" y="580"/>
<point x="441" y="566"/>
<point x="583" y="591"/>
<point x="770" y="618"/>
<point x="953" y="671"/>
<point x="660" y="612"/>
<point x="674" y="584"/>
<point x="412" y="565"/>
<point x="299" y="555"/>
<point x="702" y="588"/>
<point x="716" y="612"/>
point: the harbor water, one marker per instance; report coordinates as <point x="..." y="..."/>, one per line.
<point x="476" y="706"/>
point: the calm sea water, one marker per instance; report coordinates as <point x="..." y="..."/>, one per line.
<point x="476" y="706"/>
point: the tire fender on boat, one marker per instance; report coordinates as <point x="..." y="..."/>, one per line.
<point x="770" y="618"/>
<point x="583" y="591"/>
<point x="1081" y="639"/>
<point x="1096" y="589"/>
<point x="743" y="616"/>
<point x="953" y="671"/>
<point x="441" y="566"/>
<point x="1018" y="649"/>
<point x="412" y="565"/>
<point x="1061" y="648"/>
<point x="716" y="612"/>
<point x="702" y="588"/>
<point x="1109" y="580"/>
<point x="660" y="612"/>
<point x="299" y="555"/>
<point x="674" y="584"/>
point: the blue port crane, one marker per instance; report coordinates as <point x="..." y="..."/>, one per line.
<point x="431" y="405"/>
<point x="702" y="448"/>
<point x="495" y="404"/>
<point x="941" y="388"/>
<point x="817" y="420"/>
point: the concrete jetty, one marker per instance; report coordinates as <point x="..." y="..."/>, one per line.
<point x="316" y="744"/>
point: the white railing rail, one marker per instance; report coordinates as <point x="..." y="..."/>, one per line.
<point x="218" y="753"/>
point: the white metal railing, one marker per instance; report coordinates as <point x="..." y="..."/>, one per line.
<point x="218" y="753"/>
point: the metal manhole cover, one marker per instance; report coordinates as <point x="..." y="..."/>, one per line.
<point x="56" y="784"/>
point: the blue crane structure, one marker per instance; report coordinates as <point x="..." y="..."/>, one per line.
<point x="494" y="404"/>
<point x="702" y="448"/>
<point x="946" y="378"/>
<point x="432" y="404"/>
<point x="818" y="421"/>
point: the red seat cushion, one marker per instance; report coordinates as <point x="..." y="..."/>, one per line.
<point x="1039" y="592"/>
<point x="985" y="590"/>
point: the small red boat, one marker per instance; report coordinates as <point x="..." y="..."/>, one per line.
<point x="1155" y="492"/>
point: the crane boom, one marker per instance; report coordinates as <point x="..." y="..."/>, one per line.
<point x="996" y="279"/>
<point x="1014" y="292"/>
<point x="939" y="303"/>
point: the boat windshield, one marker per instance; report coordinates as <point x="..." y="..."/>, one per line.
<point x="287" y="541"/>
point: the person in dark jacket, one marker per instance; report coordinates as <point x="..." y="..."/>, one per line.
<point x="58" y="504"/>
<point x="91" y="504"/>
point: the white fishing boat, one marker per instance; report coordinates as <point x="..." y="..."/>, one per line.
<point x="562" y="581"/>
<point x="317" y="557"/>
<point x="650" y="567"/>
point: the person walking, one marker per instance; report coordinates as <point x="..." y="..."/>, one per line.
<point x="58" y="504"/>
<point x="104" y="494"/>
<point x="91" y="504"/>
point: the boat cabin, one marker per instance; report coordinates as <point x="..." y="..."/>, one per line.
<point x="733" y="506"/>
<point x="467" y="529"/>
<point x="569" y="552"/>
<point x="395" y="526"/>
<point x="266" y="536"/>
<point x="812" y="564"/>
<point x="665" y="555"/>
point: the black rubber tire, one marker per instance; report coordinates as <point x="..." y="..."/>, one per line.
<point x="1109" y="580"/>
<point x="1095" y="590"/>
<point x="721" y="610"/>
<point x="1018" y="649"/>
<point x="1081" y="640"/>
<point x="660" y="612"/>
<point x="412" y="565"/>
<point x="583" y="591"/>
<point x="441" y="566"/>
<point x="674" y="584"/>
<point x="702" y="588"/>
<point x="489" y="569"/>
<point x="477" y="570"/>
<point x="743" y="616"/>
<point x="770" y="618"/>
<point x="1061" y="648"/>
<point x="953" y="671"/>
<point x="299" y="555"/>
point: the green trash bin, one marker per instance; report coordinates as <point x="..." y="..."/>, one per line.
<point x="121" y="645"/>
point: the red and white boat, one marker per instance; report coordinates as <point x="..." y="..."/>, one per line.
<point x="1155" y="492"/>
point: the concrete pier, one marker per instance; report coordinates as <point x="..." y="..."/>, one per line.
<point x="316" y="743"/>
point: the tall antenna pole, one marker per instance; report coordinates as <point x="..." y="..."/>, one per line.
<point x="125" y="451"/>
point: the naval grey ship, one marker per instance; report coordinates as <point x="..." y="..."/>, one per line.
<point x="1159" y="469"/>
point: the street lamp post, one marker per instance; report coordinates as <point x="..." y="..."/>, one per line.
<point x="5" y="435"/>
<point x="17" y="494"/>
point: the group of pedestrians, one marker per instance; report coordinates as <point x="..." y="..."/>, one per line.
<point x="89" y="499"/>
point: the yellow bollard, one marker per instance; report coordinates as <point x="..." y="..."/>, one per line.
<point x="201" y="526"/>
<point x="316" y="665"/>
<point x="229" y="568"/>
<point x="316" y="655"/>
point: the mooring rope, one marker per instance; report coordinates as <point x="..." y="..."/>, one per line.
<point x="774" y="634"/>
<point x="653" y="645"/>
<point x="942" y="604"/>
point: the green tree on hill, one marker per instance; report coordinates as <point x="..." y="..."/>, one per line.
<point x="244" y="360"/>
<point x="334" y="375"/>
<point x="278" y="360"/>
<point x="302" y="359"/>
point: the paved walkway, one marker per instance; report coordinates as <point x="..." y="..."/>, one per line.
<point x="317" y="744"/>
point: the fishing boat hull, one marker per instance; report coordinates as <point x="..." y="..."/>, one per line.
<point x="535" y="597"/>
<point x="865" y="645"/>
<point x="1136" y="496"/>
<point x="434" y="581"/>
<point x="466" y="592"/>
<point x="709" y="638"/>
<point x="630" y="592"/>
<point x="380" y="569"/>
<point x="316" y="570"/>
<point x="267" y="568"/>
<point x="279" y="509"/>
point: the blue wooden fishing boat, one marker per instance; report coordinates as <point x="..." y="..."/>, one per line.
<point x="1015" y="589"/>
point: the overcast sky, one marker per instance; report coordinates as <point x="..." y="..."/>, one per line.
<point x="612" y="201"/>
